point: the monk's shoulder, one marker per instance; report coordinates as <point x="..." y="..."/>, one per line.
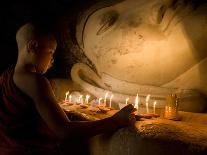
<point x="31" y="83"/>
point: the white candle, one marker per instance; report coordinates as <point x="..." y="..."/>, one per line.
<point x="79" y="99"/>
<point x="66" y="96"/>
<point x="105" y="98"/>
<point x="70" y="98"/>
<point x="147" y="98"/>
<point x="111" y="100"/>
<point x="137" y="102"/>
<point x="154" y="106"/>
<point x="127" y="100"/>
<point x="87" y="98"/>
<point x="99" y="101"/>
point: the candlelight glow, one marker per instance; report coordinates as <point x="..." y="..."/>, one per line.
<point x="147" y="99"/>
<point x="155" y="102"/>
<point x="105" y="98"/>
<point x="66" y="96"/>
<point x="170" y="110"/>
<point x="111" y="100"/>
<point x="87" y="98"/>
<point x="137" y="102"/>
<point x="127" y="101"/>
<point x="70" y="98"/>
<point x="79" y="99"/>
<point x="99" y="100"/>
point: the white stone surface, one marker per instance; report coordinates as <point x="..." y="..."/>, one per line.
<point x="146" y="47"/>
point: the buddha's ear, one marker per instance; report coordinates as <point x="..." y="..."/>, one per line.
<point x="32" y="46"/>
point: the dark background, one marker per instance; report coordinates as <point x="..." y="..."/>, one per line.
<point x="15" y="13"/>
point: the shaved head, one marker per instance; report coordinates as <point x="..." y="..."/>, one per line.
<point x="31" y="31"/>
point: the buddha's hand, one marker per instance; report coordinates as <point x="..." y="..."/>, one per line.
<point x="125" y="116"/>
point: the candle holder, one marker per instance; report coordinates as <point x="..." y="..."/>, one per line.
<point x="84" y="106"/>
<point x="103" y="109"/>
<point x="171" y="107"/>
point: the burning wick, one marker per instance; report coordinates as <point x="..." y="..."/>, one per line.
<point x="154" y="106"/>
<point x="127" y="100"/>
<point x="111" y="100"/>
<point x="105" y="98"/>
<point x="147" y="98"/>
<point x="66" y="96"/>
<point x="99" y="101"/>
<point x="79" y="99"/>
<point x="137" y="102"/>
<point x="87" y="98"/>
<point x="70" y="97"/>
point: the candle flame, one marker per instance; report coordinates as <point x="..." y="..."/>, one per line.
<point x="99" y="100"/>
<point x="105" y="98"/>
<point x="70" y="97"/>
<point x="136" y="101"/>
<point x="80" y="97"/>
<point x="87" y="98"/>
<point x="106" y="94"/>
<point x="66" y="95"/>
<point x="111" y="100"/>
<point x="127" y="100"/>
<point x="148" y="96"/>
<point x="155" y="102"/>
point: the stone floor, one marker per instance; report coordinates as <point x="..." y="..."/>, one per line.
<point x="150" y="136"/>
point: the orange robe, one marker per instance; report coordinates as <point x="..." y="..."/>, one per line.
<point x="22" y="130"/>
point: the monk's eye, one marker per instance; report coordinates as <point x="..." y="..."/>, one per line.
<point x="107" y="20"/>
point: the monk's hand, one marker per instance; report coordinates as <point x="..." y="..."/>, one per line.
<point x="125" y="116"/>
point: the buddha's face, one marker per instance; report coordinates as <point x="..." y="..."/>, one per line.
<point x="146" y="42"/>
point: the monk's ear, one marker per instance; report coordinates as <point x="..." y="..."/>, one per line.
<point x="32" y="46"/>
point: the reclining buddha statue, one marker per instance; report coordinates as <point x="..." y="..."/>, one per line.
<point x="155" y="47"/>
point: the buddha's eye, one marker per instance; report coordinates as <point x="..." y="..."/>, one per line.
<point x="158" y="12"/>
<point x="107" y="20"/>
<point x="162" y="11"/>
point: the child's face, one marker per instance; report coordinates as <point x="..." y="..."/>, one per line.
<point x="44" y="55"/>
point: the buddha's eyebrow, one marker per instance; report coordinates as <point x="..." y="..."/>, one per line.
<point x="93" y="12"/>
<point x="107" y="20"/>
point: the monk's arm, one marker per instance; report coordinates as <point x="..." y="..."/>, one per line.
<point x="58" y="121"/>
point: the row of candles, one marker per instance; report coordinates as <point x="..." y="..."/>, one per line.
<point x="80" y="100"/>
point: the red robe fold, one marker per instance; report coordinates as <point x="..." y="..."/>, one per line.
<point x="22" y="130"/>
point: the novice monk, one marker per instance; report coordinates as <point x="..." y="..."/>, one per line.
<point x="31" y="120"/>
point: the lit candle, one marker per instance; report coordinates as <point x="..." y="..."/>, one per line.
<point x="127" y="100"/>
<point x="154" y="106"/>
<point x="70" y="98"/>
<point x="99" y="101"/>
<point x="66" y="96"/>
<point x="170" y="110"/>
<point x="79" y="99"/>
<point x="136" y="102"/>
<point x="147" y="98"/>
<point x="105" y="98"/>
<point x="111" y="100"/>
<point x="87" y="98"/>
